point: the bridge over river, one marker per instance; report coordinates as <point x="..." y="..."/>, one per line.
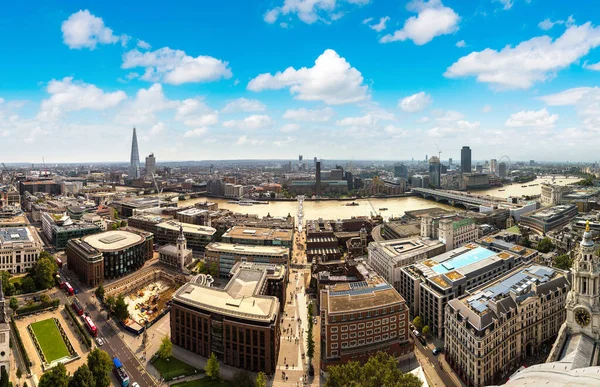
<point x="456" y="198"/>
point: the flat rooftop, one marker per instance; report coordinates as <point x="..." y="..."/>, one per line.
<point x="15" y="234"/>
<point x="188" y="228"/>
<point x="112" y="240"/>
<point x="253" y="233"/>
<point x="546" y="214"/>
<point x="399" y="248"/>
<point x="374" y="292"/>
<point x="246" y="249"/>
<point x="192" y="212"/>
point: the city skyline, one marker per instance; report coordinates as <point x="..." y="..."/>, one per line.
<point x="278" y="78"/>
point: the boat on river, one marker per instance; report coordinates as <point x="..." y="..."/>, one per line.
<point x="383" y="209"/>
<point x="352" y="204"/>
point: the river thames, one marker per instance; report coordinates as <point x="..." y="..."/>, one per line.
<point x="332" y="209"/>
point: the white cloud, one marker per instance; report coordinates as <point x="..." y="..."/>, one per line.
<point x="176" y="67"/>
<point x="447" y="115"/>
<point x="381" y="25"/>
<point x="367" y="20"/>
<point x="244" y="105"/>
<point x="287" y="128"/>
<point x="331" y="80"/>
<point x="539" y="118"/>
<point x="310" y="11"/>
<point x="202" y="120"/>
<point x="547" y="24"/>
<point x="531" y="61"/>
<point x="395" y="131"/>
<point x="486" y="109"/>
<point x="4" y="133"/>
<point x="194" y="113"/>
<point x="566" y="97"/>
<point x="366" y="120"/>
<point x="308" y="115"/>
<point x="461" y="44"/>
<point x="255" y="121"/>
<point x="67" y="95"/>
<point x="34" y="134"/>
<point x="158" y="128"/>
<point x="415" y="103"/>
<point x="244" y="140"/>
<point x="594" y="66"/>
<point x="82" y="29"/>
<point x="463" y="124"/>
<point x="143" y="45"/>
<point x="423" y="120"/>
<point x="143" y="108"/>
<point x="288" y="140"/>
<point x="433" y="19"/>
<point x="506" y="4"/>
<point x="198" y="132"/>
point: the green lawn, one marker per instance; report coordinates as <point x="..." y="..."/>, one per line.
<point x="50" y="340"/>
<point x="174" y="367"/>
<point x="205" y="382"/>
<point x="17" y="280"/>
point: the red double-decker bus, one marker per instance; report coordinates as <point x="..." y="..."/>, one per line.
<point x="69" y="289"/>
<point x="58" y="262"/>
<point x="90" y="326"/>
<point x="77" y="307"/>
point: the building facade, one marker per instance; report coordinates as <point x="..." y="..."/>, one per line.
<point x="20" y="248"/>
<point x="177" y="256"/>
<point x="465" y="160"/>
<point x="454" y="230"/>
<point x="492" y="330"/>
<point x="435" y="171"/>
<point x="197" y="236"/>
<point x="150" y="165"/>
<point x="59" y="229"/>
<point x="259" y="236"/>
<point x="226" y="255"/>
<point x="549" y="218"/>
<point x="134" y="162"/>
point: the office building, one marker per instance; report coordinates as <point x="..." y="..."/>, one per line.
<point x="20" y="248"/>
<point x="465" y="160"/>
<point x="150" y="165"/>
<point x="108" y="255"/>
<point x="40" y="186"/>
<point x="549" y="218"/>
<point x="233" y="190"/>
<point x="551" y="194"/>
<point x="134" y="164"/>
<point x="59" y="229"/>
<point x="401" y="170"/>
<point x="197" y="236"/>
<point x="177" y="256"/>
<point x="361" y="318"/>
<point x="318" y="178"/>
<point x="435" y="172"/>
<point x="225" y="255"/>
<point x="193" y="216"/>
<point x="259" y="236"/>
<point x="240" y="324"/>
<point x="502" y="169"/>
<point x="428" y="285"/>
<point x="493" y="329"/>
<point x="454" y="230"/>
<point x="494" y="167"/>
<point x="388" y="257"/>
<point x="147" y="222"/>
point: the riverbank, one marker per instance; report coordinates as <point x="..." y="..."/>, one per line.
<point x="307" y="199"/>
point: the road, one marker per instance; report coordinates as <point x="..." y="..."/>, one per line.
<point x="439" y="369"/>
<point x="114" y="345"/>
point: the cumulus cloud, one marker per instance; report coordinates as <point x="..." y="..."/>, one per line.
<point x="176" y="67"/>
<point x="69" y="95"/>
<point x="255" y="121"/>
<point x="194" y="113"/>
<point x="198" y="132"/>
<point x="308" y="115"/>
<point x="287" y="128"/>
<point x="447" y="115"/>
<point x="287" y="141"/>
<point x="331" y="80"/>
<point x="244" y="105"/>
<point x="381" y="25"/>
<point x="547" y="24"/>
<point x="506" y="4"/>
<point x="158" y="128"/>
<point x="244" y="140"/>
<point x="594" y="66"/>
<point x="143" y="108"/>
<point x="415" y="103"/>
<point x="433" y="19"/>
<point x="143" y="45"/>
<point x="310" y="11"/>
<point x="532" y="118"/>
<point x="84" y="30"/>
<point x="461" y="44"/>
<point x="366" y="120"/>
<point x="531" y="61"/>
<point x="566" y="97"/>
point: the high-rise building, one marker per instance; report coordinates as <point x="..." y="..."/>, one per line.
<point x="401" y="170"/>
<point x="465" y="159"/>
<point x="450" y="162"/>
<point x="318" y="178"/>
<point x="134" y="164"/>
<point x="494" y="166"/>
<point x="502" y="169"/>
<point x="435" y="171"/>
<point x="150" y="165"/>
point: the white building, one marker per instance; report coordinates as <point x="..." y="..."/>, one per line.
<point x="179" y="255"/>
<point x="95" y="219"/>
<point x="551" y="194"/>
<point x="454" y="231"/>
<point x="233" y="190"/>
<point x="20" y="248"/>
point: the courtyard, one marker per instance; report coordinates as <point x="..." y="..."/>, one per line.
<point x="50" y="340"/>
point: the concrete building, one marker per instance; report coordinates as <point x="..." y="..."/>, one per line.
<point x="178" y="256"/>
<point x="239" y="324"/>
<point x="502" y="169"/>
<point x="493" y="329"/>
<point x="551" y="194"/>
<point x="233" y="190"/>
<point x="401" y="171"/>
<point x="108" y="255"/>
<point x="5" y="341"/>
<point x="193" y="216"/>
<point x="454" y="230"/>
<point x="387" y="258"/>
<point x="549" y="218"/>
<point x="494" y="167"/>
<point x="359" y="319"/>
<point x="147" y="222"/>
<point x="20" y="248"/>
<point x="197" y="236"/>
<point x="428" y="285"/>
<point x="226" y="255"/>
<point x="150" y="165"/>
<point x="259" y="236"/>
<point x="39" y="186"/>
<point x="435" y="171"/>
<point x="60" y="229"/>
<point x="465" y="160"/>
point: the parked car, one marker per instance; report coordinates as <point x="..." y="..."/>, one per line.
<point x="416" y="333"/>
<point x="99" y="341"/>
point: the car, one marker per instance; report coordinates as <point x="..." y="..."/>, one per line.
<point x="416" y="333"/>
<point x="99" y="341"/>
<point x="135" y="384"/>
<point x="436" y="351"/>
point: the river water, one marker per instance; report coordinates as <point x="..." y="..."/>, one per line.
<point x="331" y="209"/>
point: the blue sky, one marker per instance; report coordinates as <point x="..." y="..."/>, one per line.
<point x="363" y="79"/>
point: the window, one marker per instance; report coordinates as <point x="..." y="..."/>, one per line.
<point x="361" y="326"/>
<point x="386" y="328"/>
<point x="385" y="336"/>
<point x="361" y="342"/>
<point x="334" y="353"/>
<point x="369" y="332"/>
<point x="334" y="329"/>
<point x="353" y="343"/>
<point x="334" y="337"/>
<point x="344" y="344"/>
<point x="334" y="345"/>
<point x="361" y="333"/>
<point x="385" y="321"/>
<point x="369" y="340"/>
<point x="377" y="330"/>
<point x="377" y="323"/>
<point x="393" y="319"/>
<point x="353" y="327"/>
<point x="377" y="338"/>
<point x="392" y="326"/>
<point x="369" y="324"/>
<point x="353" y="335"/>
<point x="344" y="336"/>
<point x="401" y="324"/>
<point x="344" y="328"/>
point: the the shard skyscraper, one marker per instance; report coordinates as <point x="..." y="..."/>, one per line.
<point x="134" y="166"/>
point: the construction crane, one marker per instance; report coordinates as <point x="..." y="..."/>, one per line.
<point x="439" y="151"/>
<point x="156" y="187"/>
<point x="11" y="177"/>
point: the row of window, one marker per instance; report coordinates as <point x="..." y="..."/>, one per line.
<point x="368" y="332"/>
<point x="368" y="340"/>
<point x="369" y="324"/>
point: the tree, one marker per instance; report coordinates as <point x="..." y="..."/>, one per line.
<point x="261" y="380"/>
<point x="524" y="240"/>
<point x="418" y="323"/>
<point x="4" y="378"/>
<point x="212" y="367"/>
<point x="545" y="245"/>
<point x="110" y="302"/>
<point x="45" y="298"/>
<point x="121" y="312"/>
<point x="166" y="348"/>
<point x="563" y="261"/>
<point x="43" y="272"/>
<point x="426" y="330"/>
<point x="214" y="269"/>
<point x="19" y="373"/>
<point x="5" y="276"/>
<point x="28" y="285"/>
<point x="82" y="377"/>
<point x="100" y="365"/>
<point x="56" y="377"/>
<point x="310" y="341"/>
<point x="100" y="292"/>
<point x="242" y="379"/>
<point x="14" y="303"/>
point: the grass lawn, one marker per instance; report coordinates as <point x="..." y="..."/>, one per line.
<point x="50" y="340"/>
<point x="174" y="367"/>
<point x="205" y="382"/>
<point x="17" y="280"/>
